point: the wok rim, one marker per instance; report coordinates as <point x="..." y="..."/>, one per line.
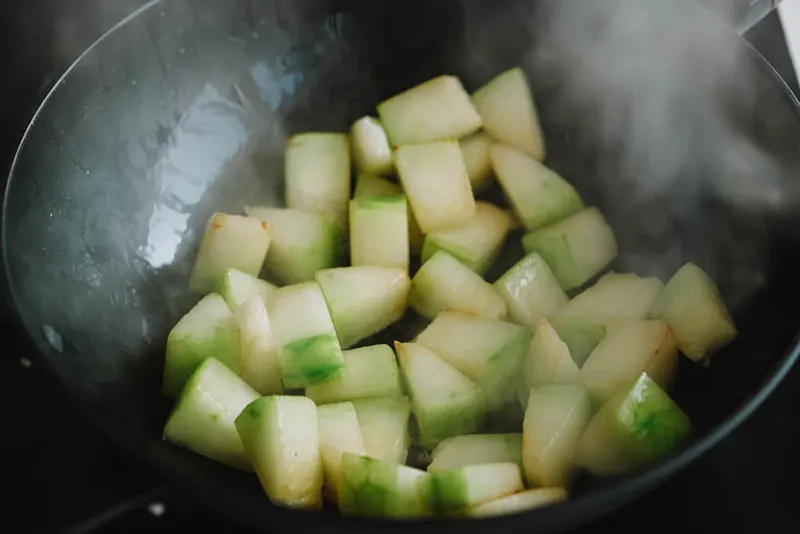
<point x="570" y="514"/>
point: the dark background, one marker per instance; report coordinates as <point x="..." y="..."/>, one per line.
<point x="62" y="475"/>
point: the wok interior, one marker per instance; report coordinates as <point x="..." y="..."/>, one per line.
<point x="185" y="110"/>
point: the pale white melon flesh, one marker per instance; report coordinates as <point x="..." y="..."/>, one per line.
<point x="318" y="175"/>
<point x="444" y="283"/>
<point x="281" y="437"/>
<point x="432" y="111"/>
<point x="364" y="300"/>
<point x="371" y="150"/>
<point x="539" y="195"/>
<point x="436" y="184"/>
<point x="692" y="305"/>
<point x="477" y="243"/>
<point x="627" y="350"/>
<point x="508" y="112"/>
<point x="230" y="241"/>
<point x="302" y="244"/>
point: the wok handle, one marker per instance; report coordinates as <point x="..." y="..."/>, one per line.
<point x="756" y="11"/>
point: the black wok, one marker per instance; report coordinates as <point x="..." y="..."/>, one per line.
<point x="662" y="117"/>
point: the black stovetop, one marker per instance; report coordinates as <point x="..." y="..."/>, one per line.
<point x="65" y="477"/>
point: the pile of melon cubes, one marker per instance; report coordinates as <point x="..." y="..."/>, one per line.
<point x="280" y="380"/>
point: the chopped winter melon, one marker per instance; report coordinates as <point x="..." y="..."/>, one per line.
<point x="628" y="350"/>
<point x="538" y="194"/>
<point x="339" y="433"/>
<point x="437" y="109"/>
<point x="474" y="449"/>
<point x="520" y="502"/>
<point x="614" y="298"/>
<point x="258" y="365"/>
<point x="384" y="427"/>
<point x="372" y="487"/>
<point x="445" y="403"/>
<point x="302" y="244"/>
<point x="692" y="305"/>
<point x="364" y="300"/>
<point x="456" y="489"/>
<point x="309" y="349"/>
<point x="369" y="185"/>
<point x="203" y="418"/>
<point x="637" y="426"/>
<point x="489" y="352"/>
<point x="548" y="361"/>
<point x="477" y="243"/>
<point x="371" y="150"/>
<point x="208" y="330"/>
<point x="531" y="291"/>
<point x="555" y="419"/>
<point x="577" y="248"/>
<point x="379" y="231"/>
<point x="281" y="437"/>
<point x="436" y="184"/>
<point x="230" y="241"/>
<point x="475" y="149"/>
<point x="506" y="107"/>
<point x="581" y="337"/>
<point x="318" y="175"/>
<point x="444" y="283"/>
<point x="368" y="372"/>
<point x="237" y="287"/>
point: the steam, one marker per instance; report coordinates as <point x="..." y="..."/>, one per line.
<point x="674" y="115"/>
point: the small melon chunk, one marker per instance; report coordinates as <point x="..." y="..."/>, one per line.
<point x="309" y="350"/>
<point x="457" y="489"/>
<point x="368" y="372"/>
<point x="538" y="194"/>
<point x="477" y="243"/>
<point x="474" y="449"/>
<point x="364" y="300"/>
<point x="209" y="330"/>
<point x="230" y="241"/>
<point x="203" y="418"/>
<point x="548" y="361"/>
<point x="339" y="432"/>
<point x="237" y="287"/>
<point x="555" y="419"/>
<point x="436" y="183"/>
<point x="258" y="364"/>
<point x="509" y="114"/>
<point x="692" y="305"/>
<point x="379" y="232"/>
<point x="318" y="175"/>
<point x="445" y="403"/>
<point x="302" y="243"/>
<point x="281" y="437"/>
<point x="628" y="350"/>
<point x="371" y="487"/>
<point x="576" y="248"/>
<point x="489" y="352"/>
<point x="432" y="111"/>
<point x="371" y="150"/>
<point x="444" y="283"/>
<point x="614" y="298"/>
<point x="384" y="427"/>
<point x="639" y="425"/>
<point x="531" y="291"/>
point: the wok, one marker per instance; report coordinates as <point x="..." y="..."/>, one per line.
<point x="667" y="120"/>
